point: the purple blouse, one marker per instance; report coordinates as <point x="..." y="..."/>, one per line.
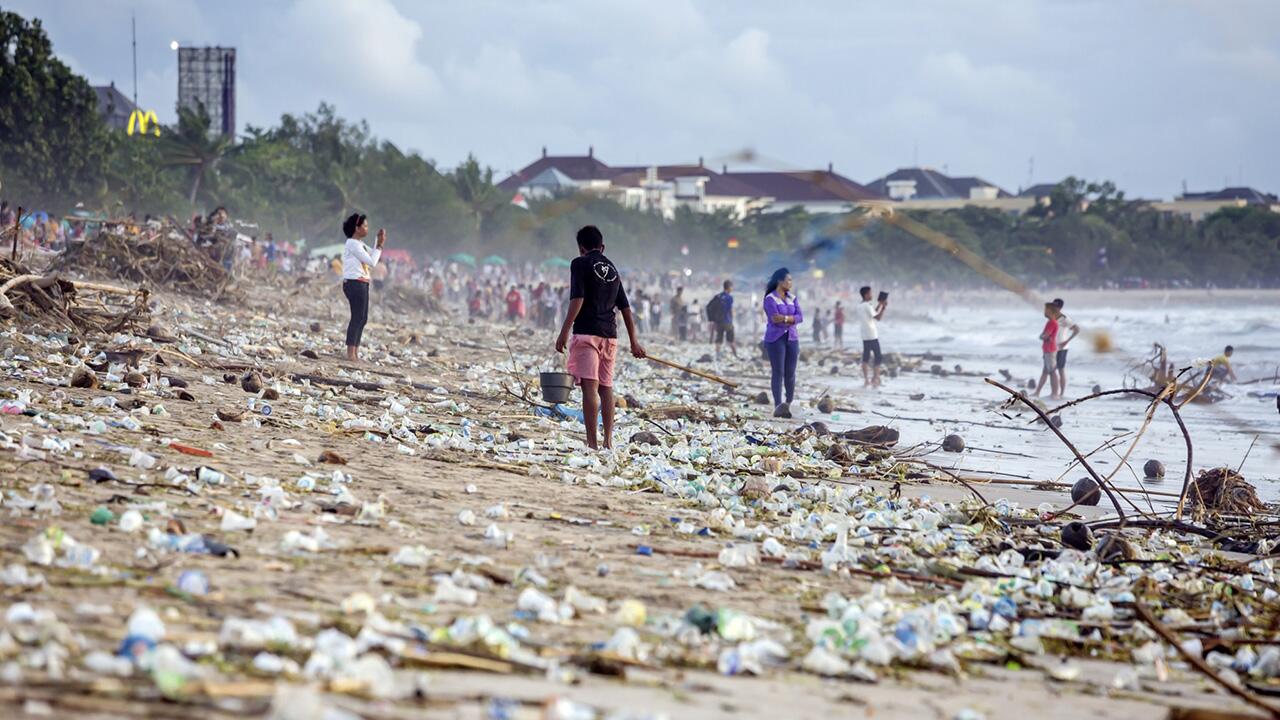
<point x="776" y="305"/>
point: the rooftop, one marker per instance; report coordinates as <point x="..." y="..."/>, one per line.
<point x="933" y="185"/>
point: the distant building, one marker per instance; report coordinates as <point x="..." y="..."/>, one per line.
<point x="1040" y="192"/>
<point x="113" y="106"/>
<point x="1197" y="205"/>
<point x="921" y="183"/>
<point x="1249" y="195"/>
<point x="207" y="76"/>
<point x="664" y="188"/>
<point x="817" y="191"/>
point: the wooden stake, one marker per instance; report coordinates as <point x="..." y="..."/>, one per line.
<point x="691" y="371"/>
<point x="17" y="223"/>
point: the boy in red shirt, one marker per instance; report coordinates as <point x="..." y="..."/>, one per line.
<point x="1049" y="348"/>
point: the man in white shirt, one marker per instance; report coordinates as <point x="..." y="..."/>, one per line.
<point x="357" y="262"/>
<point x="869" y="313"/>
<point x="1067" y="329"/>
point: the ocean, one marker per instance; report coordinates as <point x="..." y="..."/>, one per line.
<point x="991" y="332"/>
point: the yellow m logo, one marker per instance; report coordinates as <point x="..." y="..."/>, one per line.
<point x="140" y="119"/>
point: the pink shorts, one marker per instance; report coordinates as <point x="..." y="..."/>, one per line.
<point x="591" y="358"/>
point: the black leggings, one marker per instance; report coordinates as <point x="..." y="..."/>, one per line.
<point x="357" y="293"/>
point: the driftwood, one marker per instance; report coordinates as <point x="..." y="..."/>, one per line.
<point x="1224" y="490"/>
<point x="691" y="371"/>
<point x="77" y="306"/>
<point x="1016" y="395"/>
<point x="337" y="382"/>
<point x="1200" y="665"/>
<point x="1173" y="408"/>
<point x="165" y="257"/>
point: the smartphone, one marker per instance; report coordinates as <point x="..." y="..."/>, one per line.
<point x="883" y="296"/>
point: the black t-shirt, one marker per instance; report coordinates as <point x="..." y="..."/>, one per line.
<point x="594" y="278"/>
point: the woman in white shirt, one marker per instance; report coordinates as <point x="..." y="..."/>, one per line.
<point x="357" y="261"/>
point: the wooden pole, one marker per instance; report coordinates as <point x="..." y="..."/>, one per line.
<point x="691" y="371"/>
<point x="17" y="223"/>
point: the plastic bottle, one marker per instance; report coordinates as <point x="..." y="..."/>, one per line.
<point x="232" y="521"/>
<point x="193" y="582"/>
<point x="130" y="521"/>
<point x="210" y="476"/>
<point x="145" y="623"/>
<point x="142" y="460"/>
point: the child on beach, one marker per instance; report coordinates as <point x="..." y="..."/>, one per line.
<point x="1049" y="349"/>
<point x="595" y="293"/>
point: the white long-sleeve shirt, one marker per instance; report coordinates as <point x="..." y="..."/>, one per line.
<point x="357" y="259"/>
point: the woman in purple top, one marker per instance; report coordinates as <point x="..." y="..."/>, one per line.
<point x="781" y="341"/>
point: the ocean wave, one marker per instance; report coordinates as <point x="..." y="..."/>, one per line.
<point x="1256" y="326"/>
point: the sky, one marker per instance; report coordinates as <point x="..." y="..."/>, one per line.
<point x="1150" y="94"/>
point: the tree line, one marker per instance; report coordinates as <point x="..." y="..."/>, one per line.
<point x="299" y="177"/>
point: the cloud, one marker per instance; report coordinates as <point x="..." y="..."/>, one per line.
<point x="366" y="51"/>
<point x="1146" y="92"/>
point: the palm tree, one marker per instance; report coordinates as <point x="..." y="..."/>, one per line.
<point x="191" y="146"/>
<point x="475" y="188"/>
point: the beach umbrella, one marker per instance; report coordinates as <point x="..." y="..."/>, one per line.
<point x="327" y="250"/>
<point x="555" y="262"/>
<point x="463" y="259"/>
<point x="494" y="260"/>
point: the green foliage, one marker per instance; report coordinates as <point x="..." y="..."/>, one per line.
<point x="300" y="177"/>
<point x="54" y="144"/>
<point x="191" y="146"/>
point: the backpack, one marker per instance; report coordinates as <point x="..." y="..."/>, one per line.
<point x="715" y="308"/>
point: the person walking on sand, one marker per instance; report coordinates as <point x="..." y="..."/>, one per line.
<point x="1067" y="330"/>
<point x="515" y="305"/>
<point x="595" y="294"/>
<point x="679" y="316"/>
<point x="869" y="313"/>
<point x="357" y="262"/>
<point x="837" y="325"/>
<point x="720" y="315"/>
<point x="781" y="340"/>
<point x="1049" y="351"/>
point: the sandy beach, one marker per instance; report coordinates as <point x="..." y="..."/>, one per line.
<point x="436" y="438"/>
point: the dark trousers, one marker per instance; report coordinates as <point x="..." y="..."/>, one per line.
<point x="358" y="298"/>
<point x="783" y="354"/>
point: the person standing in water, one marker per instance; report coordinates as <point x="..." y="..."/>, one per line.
<point x="1049" y="350"/>
<point x="1222" y="369"/>
<point x="781" y="339"/>
<point x="595" y="295"/>
<point x="1067" y="330"/>
<point x="357" y="262"/>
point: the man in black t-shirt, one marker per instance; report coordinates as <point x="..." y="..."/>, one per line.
<point x="595" y="294"/>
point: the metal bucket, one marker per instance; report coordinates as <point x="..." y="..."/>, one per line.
<point x="556" y="386"/>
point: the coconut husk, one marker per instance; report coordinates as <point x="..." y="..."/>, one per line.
<point x="1224" y="490"/>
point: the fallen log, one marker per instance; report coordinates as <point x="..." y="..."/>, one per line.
<point x="338" y="382"/>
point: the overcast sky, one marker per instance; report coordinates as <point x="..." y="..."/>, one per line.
<point x="1148" y="93"/>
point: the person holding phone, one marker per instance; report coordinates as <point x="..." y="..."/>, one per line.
<point x="869" y="313"/>
<point x="781" y="340"/>
<point x="357" y="265"/>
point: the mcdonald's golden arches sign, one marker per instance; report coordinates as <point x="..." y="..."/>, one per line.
<point x="140" y="120"/>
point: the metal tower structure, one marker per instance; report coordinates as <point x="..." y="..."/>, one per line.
<point x="207" y="76"/>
